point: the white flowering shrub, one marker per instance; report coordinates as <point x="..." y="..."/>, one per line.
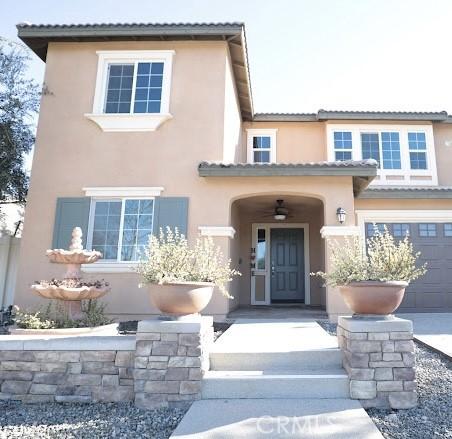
<point x="169" y="258"/>
<point x="386" y="259"/>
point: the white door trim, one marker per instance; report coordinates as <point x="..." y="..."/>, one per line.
<point x="267" y="227"/>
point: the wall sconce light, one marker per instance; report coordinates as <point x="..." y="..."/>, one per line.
<point x="341" y="214"/>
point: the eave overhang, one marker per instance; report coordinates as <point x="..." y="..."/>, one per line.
<point x="436" y="192"/>
<point x="363" y="172"/>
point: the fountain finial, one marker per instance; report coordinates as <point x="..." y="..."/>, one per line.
<point x="76" y="242"/>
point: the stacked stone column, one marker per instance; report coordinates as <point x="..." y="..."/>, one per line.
<point x="171" y="357"/>
<point x="378" y="355"/>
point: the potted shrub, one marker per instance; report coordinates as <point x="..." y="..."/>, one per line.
<point x="181" y="278"/>
<point x="373" y="281"/>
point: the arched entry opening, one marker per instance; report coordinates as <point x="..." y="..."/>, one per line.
<point x="277" y="244"/>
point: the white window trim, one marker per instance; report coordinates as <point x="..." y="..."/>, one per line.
<point x="269" y="132"/>
<point x="123" y="192"/>
<point x="227" y="231"/>
<point x="130" y="121"/>
<point x="401" y="216"/>
<point x="405" y="172"/>
<point x="113" y="194"/>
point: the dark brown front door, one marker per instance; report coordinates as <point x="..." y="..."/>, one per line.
<point x="287" y="265"/>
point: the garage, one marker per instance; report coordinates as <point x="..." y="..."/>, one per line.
<point x="433" y="291"/>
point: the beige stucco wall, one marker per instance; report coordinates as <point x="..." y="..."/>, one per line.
<point x="442" y="134"/>
<point x="296" y="141"/>
<point x="72" y="152"/>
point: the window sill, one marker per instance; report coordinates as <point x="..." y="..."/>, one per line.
<point x="109" y="267"/>
<point x="128" y="122"/>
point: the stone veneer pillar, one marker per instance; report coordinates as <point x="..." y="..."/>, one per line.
<point x="171" y="357"/>
<point x="378" y="355"/>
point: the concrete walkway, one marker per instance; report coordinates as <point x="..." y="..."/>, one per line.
<point x="277" y="418"/>
<point x="274" y="335"/>
<point x="276" y="379"/>
<point x="433" y="329"/>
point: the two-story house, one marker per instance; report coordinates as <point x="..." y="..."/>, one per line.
<point x="147" y="126"/>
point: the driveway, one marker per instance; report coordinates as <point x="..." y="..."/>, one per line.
<point x="433" y="329"/>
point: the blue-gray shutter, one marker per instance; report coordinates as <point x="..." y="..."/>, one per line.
<point x="70" y="213"/>
<point x="171" y="212"/>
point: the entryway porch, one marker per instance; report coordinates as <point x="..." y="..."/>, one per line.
<point x="277" y="244"/>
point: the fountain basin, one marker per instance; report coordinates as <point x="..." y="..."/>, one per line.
<point x="73" y="257"/>
<point x="69" y="293"/>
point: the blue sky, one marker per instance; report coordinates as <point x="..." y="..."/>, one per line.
<point x="304" y="54"/>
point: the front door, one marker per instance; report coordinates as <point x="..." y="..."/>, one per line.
<point x="287" y="265"/>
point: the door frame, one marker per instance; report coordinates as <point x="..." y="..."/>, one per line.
<point x="267" y="271"/>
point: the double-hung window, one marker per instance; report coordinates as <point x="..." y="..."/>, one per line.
<point x="120" y="228"/>
<point x="261" y="146"/>
<point x="390" y="148"/>
<point x="132" y="90"/>
<point x="343" y="145"/>
<point x="418" y="150"/>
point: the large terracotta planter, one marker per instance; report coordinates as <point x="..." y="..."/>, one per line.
<point x="181" y="298"/>
<point x="373" y="297"/>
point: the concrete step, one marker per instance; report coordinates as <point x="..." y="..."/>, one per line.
<point x="276" y="418"/>
<point x="287" y="384"/>
<point x="292" y="360"/>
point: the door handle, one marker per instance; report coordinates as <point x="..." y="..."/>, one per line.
<point x="273" y="270"/>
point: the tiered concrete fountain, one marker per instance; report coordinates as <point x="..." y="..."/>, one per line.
<point x="72" y="289"/>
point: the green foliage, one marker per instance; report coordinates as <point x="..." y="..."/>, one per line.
<point x="19" y="100"/>
<point x="55" y="316"/>
<point x="386" y="260"/>
<point x="169" y="258"/>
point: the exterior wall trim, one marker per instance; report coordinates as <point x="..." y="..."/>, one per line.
<point x="327" y="231"/>
<point x="123" y="191"/>
<point x="227" y="231"/>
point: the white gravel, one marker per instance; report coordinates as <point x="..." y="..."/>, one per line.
<point x="432" y="419"/>
<point x="90" y="421"/>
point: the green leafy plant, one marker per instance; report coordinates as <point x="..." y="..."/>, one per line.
<point x="169" y="258"/>
<point x="386" y="259"/>
<point x="55" y="316"/>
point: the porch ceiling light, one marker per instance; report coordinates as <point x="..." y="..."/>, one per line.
<point x="341" y="214"/>
<point x="279" y="217"/>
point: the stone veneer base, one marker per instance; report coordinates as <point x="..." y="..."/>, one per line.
<point x="378" y="355"/>
<point x="162" y="366"/>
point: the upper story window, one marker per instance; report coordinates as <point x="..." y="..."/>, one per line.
<point x="140" y="84"/>
<point x="132" y="90"/>
<point x="405" y="153"/>
<point x="418" y="150"/>
<point x="120" y="228"/>
<point x="343" y="145"/>
<point x="261" y="145"/>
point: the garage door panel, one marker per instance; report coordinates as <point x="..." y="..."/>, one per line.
<point x="433" y="291"/>
<point x="432" y="276"/>
<point x="409" y="300"/>
<point x="428" y="252"/>
<point x="430" y="300"/>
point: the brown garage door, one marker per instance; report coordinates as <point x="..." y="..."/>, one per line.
<point x="433" y="291"/>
